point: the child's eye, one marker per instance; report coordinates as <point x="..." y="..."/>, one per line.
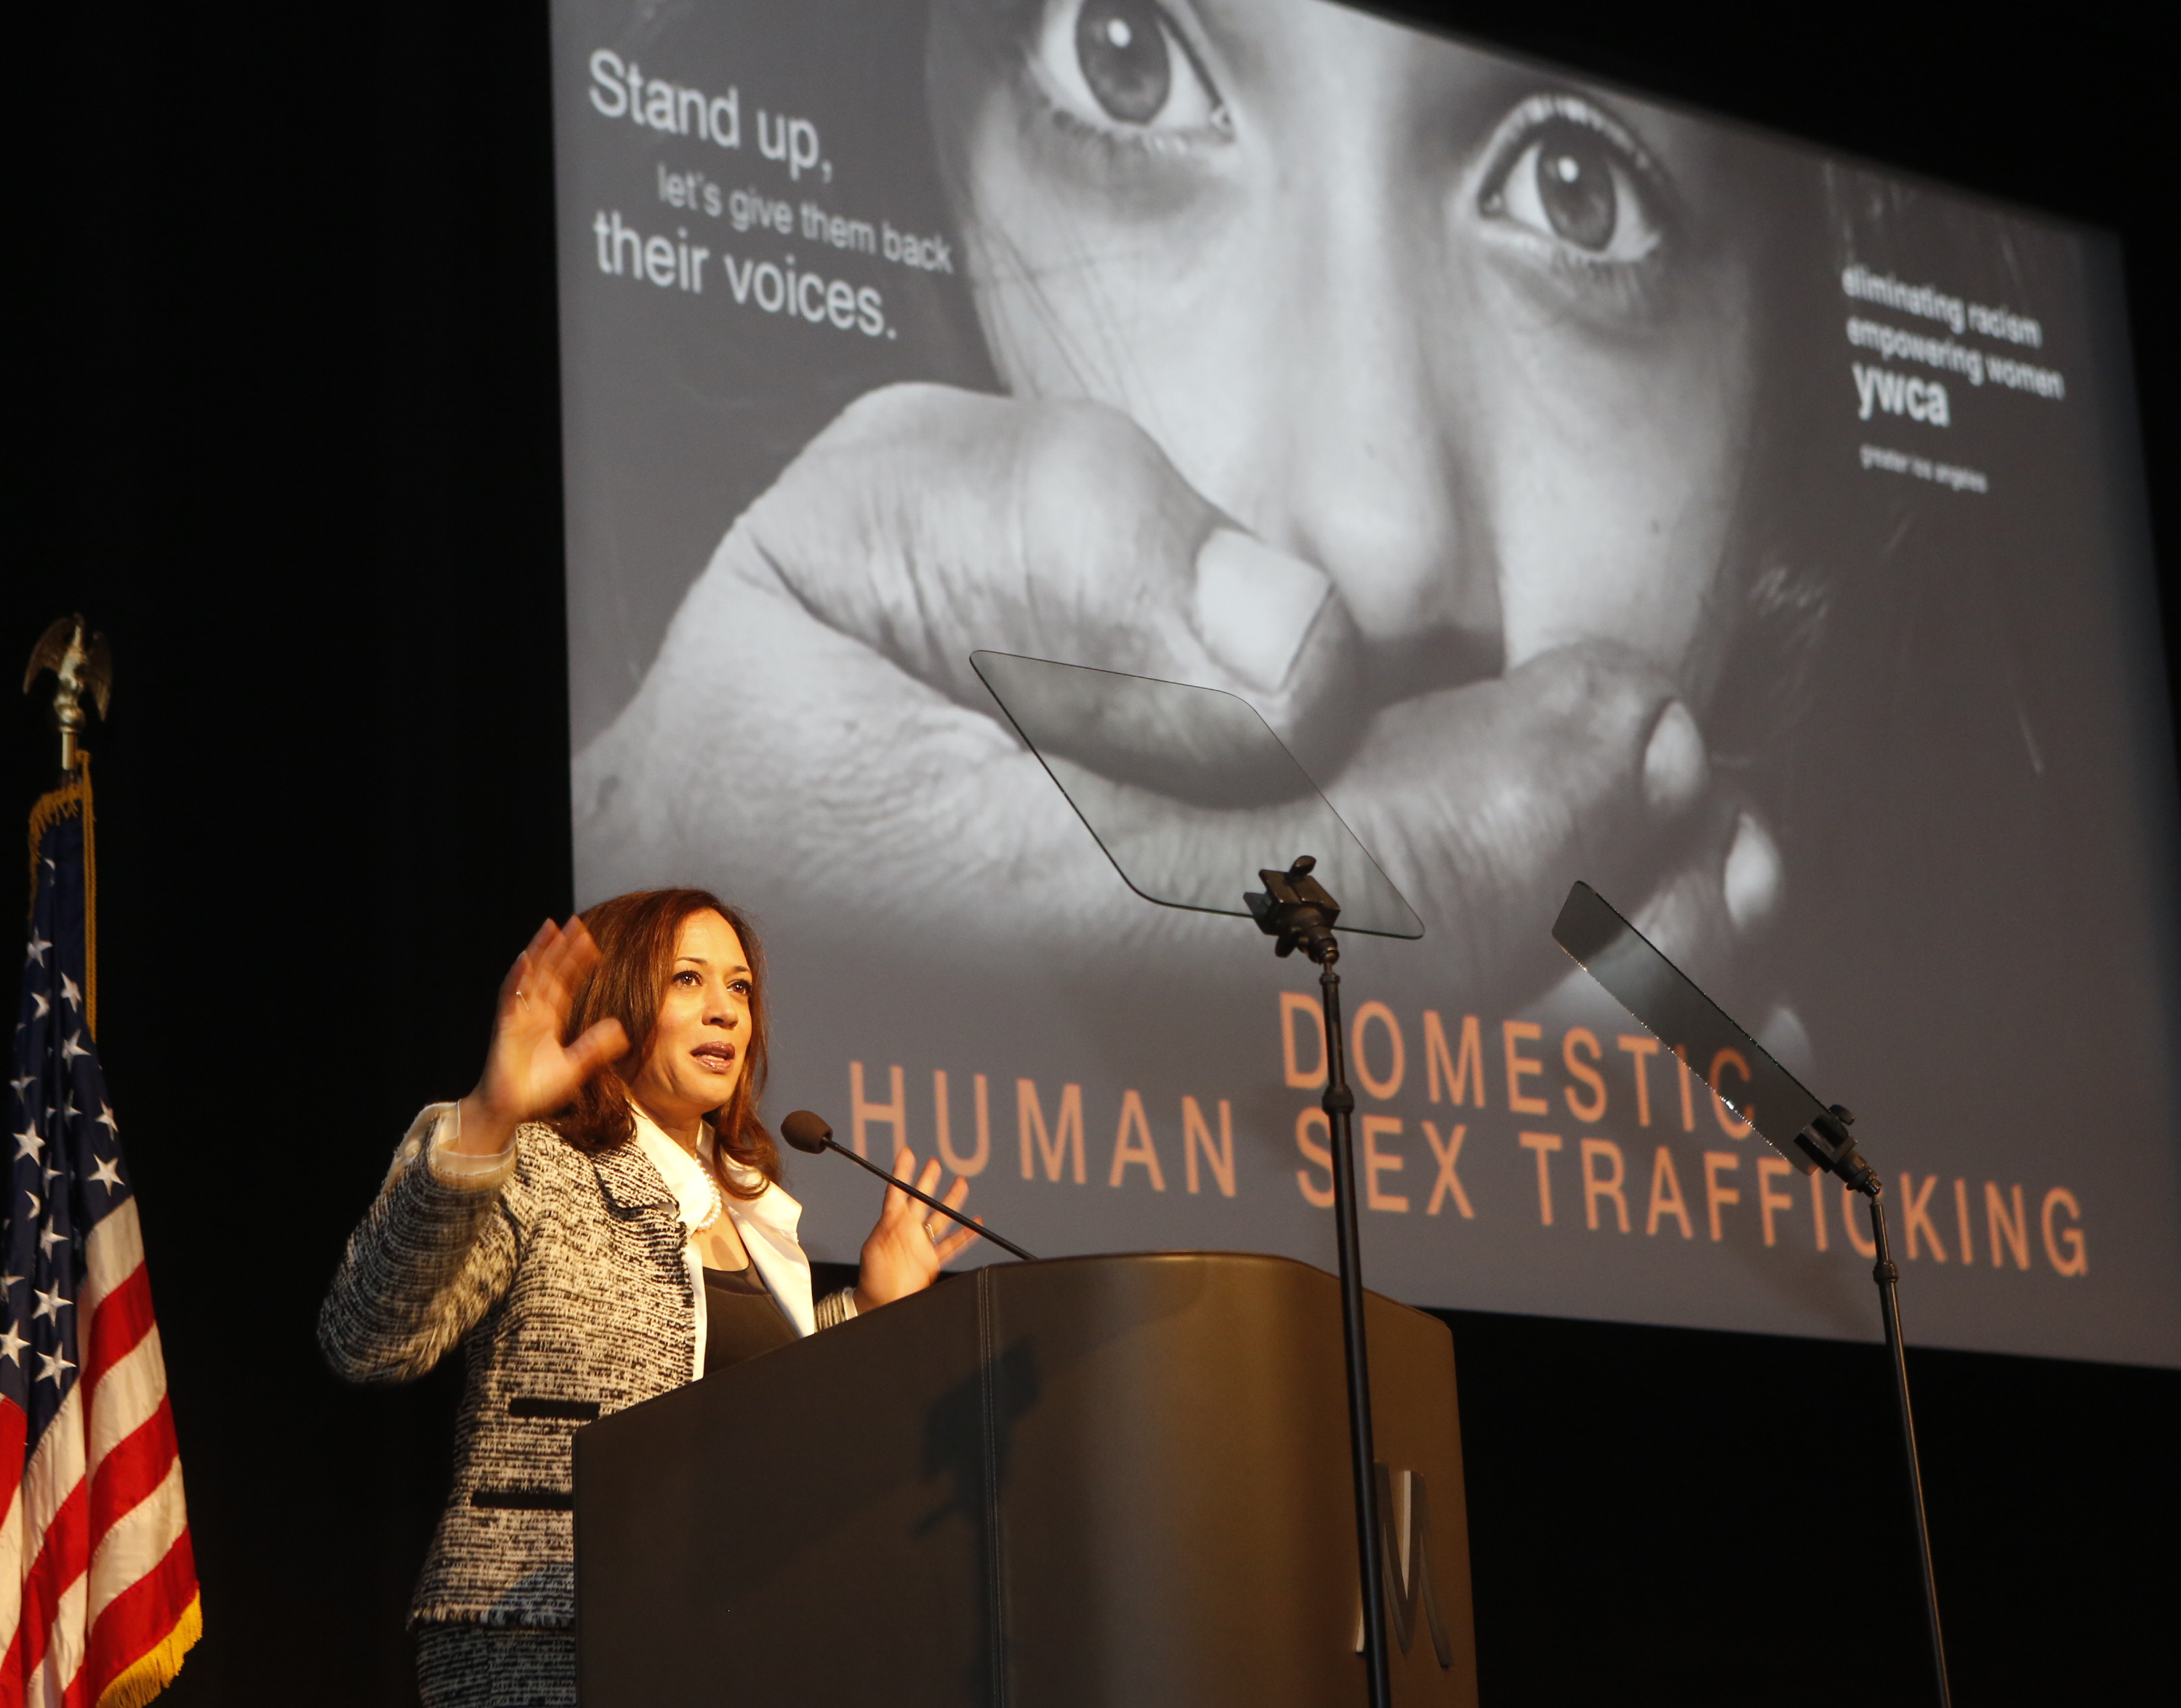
<point x="1568" y="175"/>
<point x="1122" y="63"/>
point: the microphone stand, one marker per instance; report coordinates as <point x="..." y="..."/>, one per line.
<point x="1298" y="910"/>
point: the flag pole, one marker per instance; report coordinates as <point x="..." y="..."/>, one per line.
<point x="82" y="664"/>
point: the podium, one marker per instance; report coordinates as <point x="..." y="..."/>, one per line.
<point x="1101" y="1482"/>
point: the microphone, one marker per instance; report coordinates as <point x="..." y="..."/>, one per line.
<point x="807" y="1132"/>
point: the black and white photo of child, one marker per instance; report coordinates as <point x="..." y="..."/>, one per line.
<point x="1492" y="431"/>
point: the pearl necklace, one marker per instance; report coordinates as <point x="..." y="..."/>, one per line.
<point x="711" y="1184"/>
<point x="719" y="1206"/>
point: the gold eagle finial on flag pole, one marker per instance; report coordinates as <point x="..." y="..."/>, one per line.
<point x="83" y="665"/>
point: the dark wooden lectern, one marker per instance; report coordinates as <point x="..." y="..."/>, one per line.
<point x="1117" y="1482"/>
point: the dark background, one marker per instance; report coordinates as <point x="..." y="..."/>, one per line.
<point x="281" y="395"/>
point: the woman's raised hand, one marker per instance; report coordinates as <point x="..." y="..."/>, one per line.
<point x="528" y="1071"/>
<point x="901" y="1257"/>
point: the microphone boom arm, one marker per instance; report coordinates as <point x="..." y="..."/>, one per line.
<point x="822" y="1140"/>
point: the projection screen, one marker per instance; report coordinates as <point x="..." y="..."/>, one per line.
<point x="1582" y="486"/>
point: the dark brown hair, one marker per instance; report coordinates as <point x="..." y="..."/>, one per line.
<point x="636" y="934"/>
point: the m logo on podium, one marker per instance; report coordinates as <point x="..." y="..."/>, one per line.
<point x="1405" y="1536"/>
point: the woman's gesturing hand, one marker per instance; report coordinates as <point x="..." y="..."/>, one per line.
<point x="901" y="1256"/>
<point x="528" y="1071"/>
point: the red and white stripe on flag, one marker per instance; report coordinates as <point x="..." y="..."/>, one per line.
<point x="98" y="1587"/>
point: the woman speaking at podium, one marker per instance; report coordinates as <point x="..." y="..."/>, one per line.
<point x="600" y="1221"/>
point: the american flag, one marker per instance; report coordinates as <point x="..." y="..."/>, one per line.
<point x="98" y="1587"/>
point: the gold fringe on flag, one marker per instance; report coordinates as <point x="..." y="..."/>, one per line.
<point x="73" y="796"/>
<point x="148" y="1676"/>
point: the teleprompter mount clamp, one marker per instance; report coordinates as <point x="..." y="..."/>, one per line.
<point x="1298" y="910"/>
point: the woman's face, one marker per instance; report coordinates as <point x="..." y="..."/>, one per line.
<point x="1474" y="342"/>
<point x="697" y="1047"/>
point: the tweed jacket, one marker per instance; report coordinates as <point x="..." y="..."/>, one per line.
<point x="568" y="1290"/>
